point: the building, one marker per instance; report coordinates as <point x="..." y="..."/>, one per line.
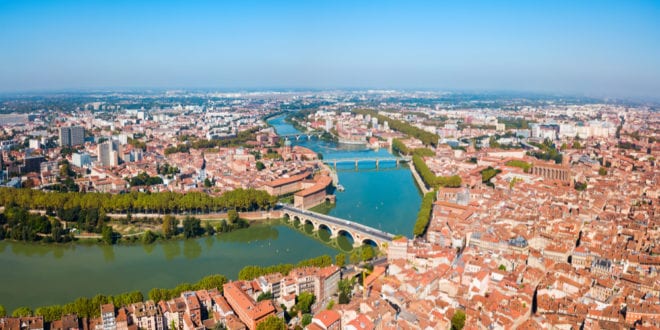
<point x="285" y="186"/>
<point x="328" y="320"/>
<point x="107" y="154"/>
<point x="81" y="159"/>
<point x="314" y="195"/>
<point x="32" y="164"/>
<point x="249" y="312"/>
<point x="72" y="136"/>
<point x="552" y="171"/>
<point x="35" y="144"/>
<point x="108" y="317"/>
<point x="12" y="119"/>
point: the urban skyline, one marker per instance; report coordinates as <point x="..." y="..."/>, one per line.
<point x="601" y="49"/>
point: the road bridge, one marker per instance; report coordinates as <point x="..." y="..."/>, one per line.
<point x="357" y="161"/>
<point x="303" y="136"/>
<point x="360" y="233"/>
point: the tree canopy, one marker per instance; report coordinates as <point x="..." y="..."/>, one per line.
<point x="159" y="202"/>
<point x="458" y="320"/>
<point x="272" y="323"/>
<point x="424" y="214"/>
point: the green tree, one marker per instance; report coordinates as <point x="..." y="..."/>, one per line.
<point x="458" y="320"/>
<point x="148" y="237"/>
<point x="424" y="214"/>
<point x="265" y="296"/>
<point x="272" y="323"/>
<point x="304" y="302"/>
<point x="602" y="171"/>
<point x="169" y="226"/>
<point x="340" y="259"/>
<point x="207" y="183"/>
<point x="355" y="256"/>
<point x="3" y="311"/>
<point x="22" y="312"/>
<point x="367" y="252"/>
<point x="306" y="320"/>
<point x="502" y="267"/>
<point x="344" y="298"/>
<point x="191" y="227"/>
<point x="260" y="166"/>
<point x="346" y="286"/>
<point x="208" y="228"/>
<point x="232" y="216"/>
<point x="108" y="235"/>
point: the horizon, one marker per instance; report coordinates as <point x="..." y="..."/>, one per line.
<point x="595" y="49"/>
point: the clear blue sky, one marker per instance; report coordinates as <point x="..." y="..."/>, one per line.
<point x="593" y="47"/>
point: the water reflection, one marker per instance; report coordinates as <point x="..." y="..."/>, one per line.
<point x="208" y="241"/>
<point x="192" y="249"/>
<point x="108" y="253"/>
<point x="149" y="248"/>
<point x="254" y="233"/>
<point x="58" y="252"/>
<point x="171" y="250"/>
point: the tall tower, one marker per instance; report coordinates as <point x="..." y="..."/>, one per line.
<point x="72" y="136"/>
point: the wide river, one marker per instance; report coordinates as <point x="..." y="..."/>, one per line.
<point x="36" y="275"/>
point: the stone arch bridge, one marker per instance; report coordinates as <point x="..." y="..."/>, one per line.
<point x="360" y="234"/>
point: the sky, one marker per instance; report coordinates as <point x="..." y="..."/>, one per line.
<point x="595" y="48"/>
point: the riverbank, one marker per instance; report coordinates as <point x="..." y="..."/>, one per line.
<point x="418" y="179"/>
<point x="87" y="269"/>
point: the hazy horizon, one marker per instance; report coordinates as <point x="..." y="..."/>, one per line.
<point x="594" y="49"/>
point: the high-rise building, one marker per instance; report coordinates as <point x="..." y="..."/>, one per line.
<point x="107" y="154"/>
<point x="71" y="136"/>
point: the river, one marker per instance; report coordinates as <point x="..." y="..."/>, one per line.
<point x="387" y="198"/>
<point x="36" y="275"/>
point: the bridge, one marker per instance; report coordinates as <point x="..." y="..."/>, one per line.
<point x="303" y="136"/>
<point x="360" y="234"/>
<point x="357" y="161"/>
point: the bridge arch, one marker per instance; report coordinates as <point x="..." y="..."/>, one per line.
<point x="369" y="241"/>
<point x="309" y="226"/>
<point x="324" y="232"/>
<point x="345" y="239"/>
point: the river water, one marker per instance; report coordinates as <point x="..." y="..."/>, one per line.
<point x="36" y="275"/>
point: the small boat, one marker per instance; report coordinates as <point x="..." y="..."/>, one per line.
<point x="340" y="187"/>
